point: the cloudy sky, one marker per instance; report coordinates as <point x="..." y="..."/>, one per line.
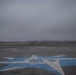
<point x="22" y="20"/>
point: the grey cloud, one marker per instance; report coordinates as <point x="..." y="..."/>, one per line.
<point x="37" y="19"/>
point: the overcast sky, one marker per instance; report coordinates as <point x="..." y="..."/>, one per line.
<point x="22" y="20"/>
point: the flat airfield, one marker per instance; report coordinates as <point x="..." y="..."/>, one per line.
<point x="28" y="51"/>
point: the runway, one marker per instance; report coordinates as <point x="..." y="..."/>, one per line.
<point x="39" y="60"/>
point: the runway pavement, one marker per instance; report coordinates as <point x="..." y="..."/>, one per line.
<point x="39" y="60"/>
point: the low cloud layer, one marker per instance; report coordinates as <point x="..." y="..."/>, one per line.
<point x="22" y="20"/>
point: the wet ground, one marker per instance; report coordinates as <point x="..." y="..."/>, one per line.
<point x="42" y="51"/>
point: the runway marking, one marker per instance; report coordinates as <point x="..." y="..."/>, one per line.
<point x="50" y="63"/>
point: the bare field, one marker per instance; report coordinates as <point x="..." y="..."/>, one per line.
<point x="37" y="50"/>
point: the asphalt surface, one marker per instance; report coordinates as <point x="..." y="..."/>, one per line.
<point x="41" y="51"/>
